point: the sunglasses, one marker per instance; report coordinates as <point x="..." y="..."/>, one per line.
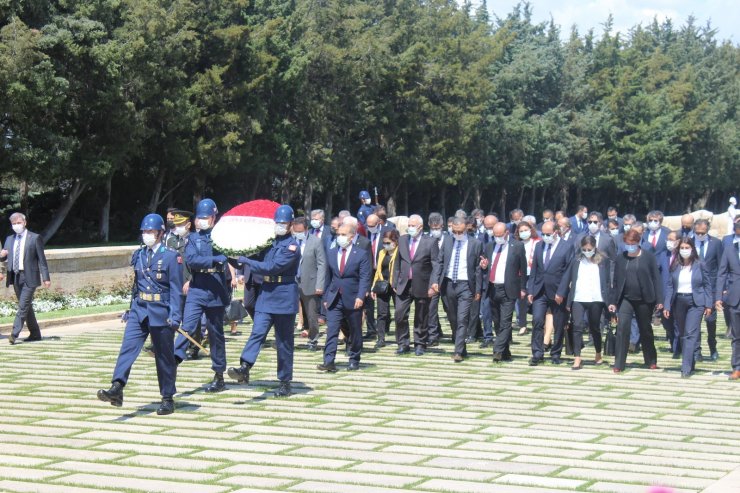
<point x="593" y="222"/>
<point x="384" y="243"/>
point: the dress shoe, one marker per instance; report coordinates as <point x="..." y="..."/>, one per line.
<point x="114" y="394"/>
<point x="469" y="340"/>
<point x="523" y="331"/>
<point x="631" y="348"/>
<point x="685" y="374"/>
<point x="617" y="370"/>
<point x="498" y="357"/>
<point x="283" y="390"/>
<point x="217" y="384"/>
<point x="735" y="375"/>
<point x="578" y="366"/>
<point x="534" y="361"/>
<point x="241" y="374"/>
<point x="700" y="358"/>
<point x="548" y="347"/>
<point x="485" y="344"/>
<point x="403" y="350"/>
<point x="653" y="367"/>
<point x="353" y="366"/>
<point x="32" y="339"/>
<point x="457" y="358"/>
<point x="369" y="337"/>
<point x="379" y="344"/>
<point x="149" y="350"/>
<point x="330" y="368"/>
<point x="419" y="351"/>
<point x="714" y="356"/>
<point x="11" y="339"/>
<point x="167" y="406"/>
<point x="312" y="346"/>
<point x="556" y="361"/>
<point x="433" y="343"/>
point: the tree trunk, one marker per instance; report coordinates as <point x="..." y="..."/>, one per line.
<point x="532" y="201"/>
<point x="158" y="183"/>
<point x="476" y="197"/>
<point x="564" y="198"/>
<point x="701" y="202"/>
<point x="390" y="207"/>
<point x="61" y="213"/>
<point x="443" y="200"/>
<point x="502" y="205"/>
<point x="579" y="194"/>
<point x="24" y="196"/>
<point x="328" y="204"/>
<point x="200" y="186"/>
<point x="465" y="198"/>
<point x="105" y="211"/>
<point x="308" y="199"/>
<point x="348" y="203"/>
<point x="521" y="197"/>
<point x="406" y="197"/>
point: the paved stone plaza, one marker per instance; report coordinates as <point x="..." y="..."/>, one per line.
<point x="403" y="423"/>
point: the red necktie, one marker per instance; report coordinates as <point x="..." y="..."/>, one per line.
<point x="492" y="277"/>
<point x="655" y="239"/>
<point x="342" y="261"/>
<point x="375" y="247"/>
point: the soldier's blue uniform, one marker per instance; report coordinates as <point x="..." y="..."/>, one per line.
<point x="365" y="209"/>
<point x="155" y="310"/>
<point x="209" y="293"/>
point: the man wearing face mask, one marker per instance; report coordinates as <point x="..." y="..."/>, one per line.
<point x="436" y="223"/>
<point x="627" y="222"/>
<point x="277" y="304"/>
<point x="515" y="217"/>
<point x="604" y="243"/>
<point x="485" y="319"/>
<point x="563" y="229"/>
<point x="170" y="223"/>
<point x="209" y="292"/>
<point x="480" y="229"/>
<point x="710" y="251"/>
<point x="155" y="310"/>
<point x="655" y="237"/>
<point x="416" y="256"/>
<point x="319" y="229"/>
<point x="687" y="226"/>
<point x="727" y="295"/>
<point x="311" y="278"/>
<point x="503" y="269"/>
<point x="612" y="213"/>
<point x="578" y="221"/>
<point x="365" y="207"/>
<point x="26" y="269"/>
<point x="548" y="288"/>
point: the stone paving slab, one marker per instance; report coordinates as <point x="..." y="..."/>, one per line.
<point x="405" y="423"/>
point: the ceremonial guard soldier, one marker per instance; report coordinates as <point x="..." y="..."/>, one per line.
<point x="155" y="309"/>
<point x="277" y="303"/>
<point x="365" y="208"/>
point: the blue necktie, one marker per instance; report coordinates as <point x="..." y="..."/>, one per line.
<point x="456" y="265"/>
<point x="701" y="249"/>
<point x="548" y="251"/>
<point x="17" y="254"/>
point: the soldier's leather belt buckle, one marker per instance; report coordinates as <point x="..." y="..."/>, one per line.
<point x="279" y="279"/>
<point x="207" y="271"/>
<point x="150" y="297"/>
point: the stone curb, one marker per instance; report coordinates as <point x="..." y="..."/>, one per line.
<point x="61" y="322"/>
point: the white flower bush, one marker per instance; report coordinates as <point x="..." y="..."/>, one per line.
<point x="8" y="308"/>
<point x="239" y="235"/>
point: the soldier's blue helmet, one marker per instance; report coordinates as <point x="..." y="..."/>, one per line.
<point x="364" y="195"/>
<point x="206" y="208"/>
<point x="152" y="221"/>
<point x="284" y="214"/>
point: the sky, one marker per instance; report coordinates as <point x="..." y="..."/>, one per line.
<point x="723" y="14"/>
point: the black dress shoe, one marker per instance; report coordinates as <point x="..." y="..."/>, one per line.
<point x="714" y="356"/>
<point x="217" y="384"/>
<point x="241" y="374"/>
<point x="114" y="394"/>
<point x="458" y="358"/>
<point x="167" y="406"/>
<point x="534" y="361"/>
<point x="403" y="350"/>
<point x="433" y="343"/>
<point x="700" y="358"/>
<point x="330" y="368"/>
<point x="498" y="357"/>
<point x="283" y="390"/>
<point x="419" y="351"/>
<point x="312" y="346"/>
<point x="32" y="339"/>
<point x="555" y="361"/>
<point x="369" y="337"/>
<point x="353" y="366"/>
<point x="379" y="344"/>
<point x="485" y="344"/>
<point x="469" y="340"/>
<point x="11" y="339"/>
<point x="506" y="356"/>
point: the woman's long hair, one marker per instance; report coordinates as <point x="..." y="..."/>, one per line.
<point x="678" y="260"/>
<point x="590" y="240"/>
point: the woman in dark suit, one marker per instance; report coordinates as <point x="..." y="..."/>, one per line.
<point x="637" y="291"/>
<point x="588" y="276"/>
<point x="688" y="297"/>
<point x="384" y="273"/>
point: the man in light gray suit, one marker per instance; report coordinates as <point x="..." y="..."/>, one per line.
<point x="311" y="278"/>
<point x="26" y="267"/>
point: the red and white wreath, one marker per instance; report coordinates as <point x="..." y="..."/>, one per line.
<point x="245" y="229"/>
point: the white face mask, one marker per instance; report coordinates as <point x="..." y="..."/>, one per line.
<point x="19" y="228"/>
<point x="203" y="223"/>
<point x="653" y="225"/>
<point x="300" y="236"/>
<point x="548" y="239"/>
<point x="180" y="230"/>
<point x="685" y="252"/>
<point x="614" y="232"/>
<point x="367" y="201"/>
<point x="342" y="241"/>
<point x="372" y="229"/>
<point x="478" y="221"/>
<point x="584" y="215"/>
<point x="671" y="245"/>
<point x="412" y="231"/>
<point x="588" y="253"/>
<point x="593" y="228"/>
<point x="315" y="223"/>
<point x="281" y="229"/>
<point x="389" y="248"/>
<point x="627" y="227"/>
<point x="500" y="240"/>
<point x="449" y="230"/>
<point x="435" y="233"/>
<point x="525" y="234"/>
<point x="149" y="239"/>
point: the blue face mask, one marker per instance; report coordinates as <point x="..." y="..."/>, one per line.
<point x="630" y="248"/>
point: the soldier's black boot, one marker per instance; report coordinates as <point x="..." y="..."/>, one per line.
<point x="114" y="394"/>
<point x="167" y="406"/>
<point x="241" y="374"/>
<point x="217" y="384"/>
<point x="284" y="390"/>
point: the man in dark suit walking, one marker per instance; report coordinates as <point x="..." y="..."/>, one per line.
<point x="547" y="290"/>
<point x="416" y="256"/>
<point x="26" y="267"/>
<point x="457" y="276"/>
<point x="578" y="221"/>
<point x="504" y="268"/>
<point x="311" y="278"/>
<point x="728" y="292"/>
<point x="656" y="235"/>
<point x="710" y="251"/>
<point x="349" y="276"/>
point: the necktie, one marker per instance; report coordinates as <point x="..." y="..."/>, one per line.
<point x="655" y="239"/>
<point x="17" y="254"/>
<point x="412" y="252"/>
<point x="548" y="251"/>
<point x="300" y="262"/>
<point x="342" y="261"/>
<point x="149" y="255"/>
<point x="316" y="232"/>
<point x="456" y="264"/>
<point x="492" y="277"/>
<point x="701" y="249"/>
<point x="375" y="247"/>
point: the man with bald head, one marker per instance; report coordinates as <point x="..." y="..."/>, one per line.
<point x="504" y="268"/>
<point x="484" y="310"/>
<point x="687" y="225"/>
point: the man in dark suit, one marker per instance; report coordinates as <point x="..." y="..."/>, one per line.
<point x="26" y="267"/>
<point x="504" y="268"/>
<point x="515" y="217"/>
<point x="349" y="280"/>
<point x="612" y="213"/>
<point x="375" y="232"/>
<point x="578" y="221"/>
<point x="311" y="278"/>
<point x="604" y="242"/>
<point x="320" y="229"/>
<point x="413" y="271"/>
<point x="654" y="238"/>
<point x="457" y="276"/>
<point x="547" y="290"/>
<point x="565" y="233"/>
<point x="710" y="251"/>
<point x="436" y="225"/>
<point x="728" y="292"/>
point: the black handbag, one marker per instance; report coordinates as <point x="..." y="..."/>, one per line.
<point x="381" y="287"/>
<point x="610" y="341"/>
<point x="234" y="312"/>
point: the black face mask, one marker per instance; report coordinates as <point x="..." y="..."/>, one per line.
<point x="170" y="225"/>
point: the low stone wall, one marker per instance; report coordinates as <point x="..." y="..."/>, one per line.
<point x="72" y="269"/>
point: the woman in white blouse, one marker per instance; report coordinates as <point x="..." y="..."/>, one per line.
<point x="589" y="290"/>
<point x="527" y="234"/>
<point x="688" y="297"/>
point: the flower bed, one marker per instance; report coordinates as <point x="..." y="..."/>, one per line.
<point x="9" y="308"/>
